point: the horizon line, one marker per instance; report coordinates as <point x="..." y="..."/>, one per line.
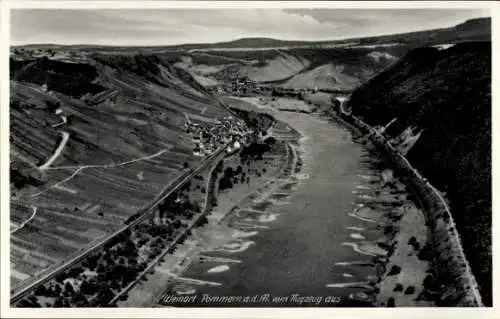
<point x="243" y="38"/>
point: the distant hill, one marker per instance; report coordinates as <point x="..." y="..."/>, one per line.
<point x="446" y="93"/>
<point x="472" y="30"/>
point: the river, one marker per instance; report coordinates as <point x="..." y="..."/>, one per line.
<point x="314" y="231"/>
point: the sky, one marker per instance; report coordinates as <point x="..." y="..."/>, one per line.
<point x="142" y="27"/>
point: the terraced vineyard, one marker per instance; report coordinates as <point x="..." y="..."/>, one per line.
<point x="92" y="141"/>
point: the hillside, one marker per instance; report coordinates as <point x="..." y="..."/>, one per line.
<point x="446" y="95"/>
<point x="93" y="140"/>
<point x="340" y="69"/>
<point x="329" y="69"/>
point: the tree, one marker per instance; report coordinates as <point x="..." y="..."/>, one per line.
<point x="270" y="140"/>
<point x="196" y="207"/>
<point x="59" y="302"/>
<point x="68" y="288"/>
<point x="34" y="301"/>
<point x="57" y="289"/>
<point x="41" y="290"/>
<point x="177" y="224"/>
<point x="101" y="268"/>
<point x="79" y="300"/>
<point x="202" y="221"/>
<point x="229" y="172"/>
<point x="105" y="296"/>
<point x="219" y="167"/>
<point x="61" y="277"/>
<point x="74" y="272"/>
<point x="85" y="288"/>
<point x="225" y="183"/>
<point x="239" y="169"/>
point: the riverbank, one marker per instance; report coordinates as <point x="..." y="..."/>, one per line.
<point x="451" y="281"/>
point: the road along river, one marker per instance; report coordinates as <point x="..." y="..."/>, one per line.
<point x="316" y="245"/>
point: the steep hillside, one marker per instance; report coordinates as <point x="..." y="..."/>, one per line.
<point x="329" y="69"/>
<point x="340" y="69"/>
<point x="446" y="95"/>
<point x="267" y="66"/>
<point x="92" y="141"/>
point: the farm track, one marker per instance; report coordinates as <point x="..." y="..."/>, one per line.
<point x="80" y="168"/>
<point x="57" y="152"/>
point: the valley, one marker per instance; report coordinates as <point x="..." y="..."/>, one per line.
<point x="144" y="176"/>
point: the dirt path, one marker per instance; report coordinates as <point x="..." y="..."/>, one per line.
<point x="80" y="168"/>
<point x="26" y="221"/>
<point x="58" y="151"/>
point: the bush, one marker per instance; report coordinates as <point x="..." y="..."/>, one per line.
<point x="229" y="172"/>
<point x="225" y="183"/>
<point x="41" y="290"/>
<point x="398" y="287"/>
<point x="61" y="277"/>
<point x="410" y="290"/>
<point x="391" y="303"/>
<point x="425" y="253"/>
<point x="413" y="242"/>
<point x="270" y="140"/>
<point x="394" y="270"/>
<point x="389" y="229"/>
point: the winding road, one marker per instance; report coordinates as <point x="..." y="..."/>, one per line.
<point x="58" y="151"/>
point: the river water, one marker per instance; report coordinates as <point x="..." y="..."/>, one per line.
<point x="313" y="238"/>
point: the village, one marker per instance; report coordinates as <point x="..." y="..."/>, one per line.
<point x="208" y="137"/>
<point x="244" y="86"/>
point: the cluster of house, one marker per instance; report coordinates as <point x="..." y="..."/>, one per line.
<point x="243" y="85"/>
<point x="238" y="86"/>
<point x="208" y="137"/>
